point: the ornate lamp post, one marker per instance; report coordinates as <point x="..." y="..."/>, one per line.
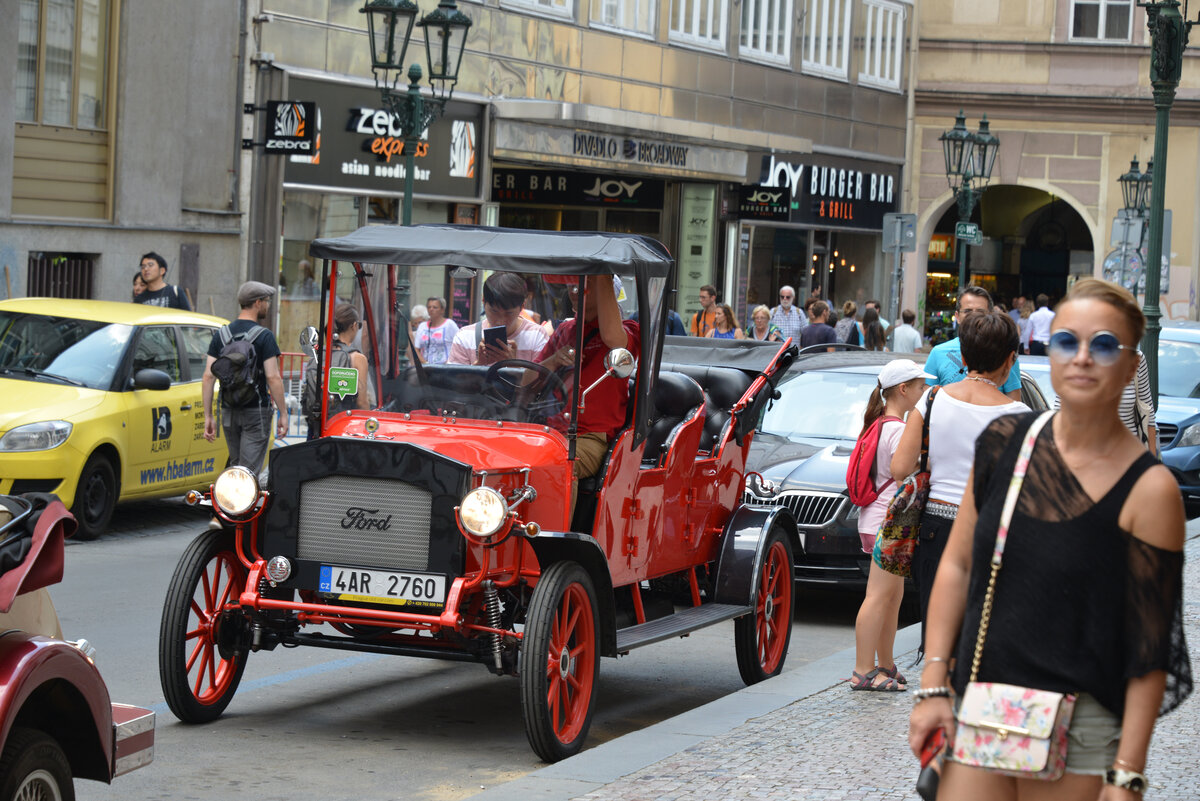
<point x="1168" y="37"/>
<point x="445" y="37"/>
<point x="969" y="161"/>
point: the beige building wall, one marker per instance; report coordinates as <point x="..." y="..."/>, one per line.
<point x="1069" y="116"/>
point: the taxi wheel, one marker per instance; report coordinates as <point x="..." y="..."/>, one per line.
<point x="33" y="766"/>
<point x="197" y="680"/>
<point x="560" y="661"/>
<point x="95" y="497"/>
<point x="761" y="638"/>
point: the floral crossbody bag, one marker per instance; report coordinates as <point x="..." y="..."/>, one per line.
<point x="1016" y="731"/>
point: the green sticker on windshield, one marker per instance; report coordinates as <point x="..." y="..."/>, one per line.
<point x="343" y="381"/>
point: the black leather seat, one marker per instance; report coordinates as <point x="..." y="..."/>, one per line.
<point x="676" y="398"/>
<point x="723" y="387"/>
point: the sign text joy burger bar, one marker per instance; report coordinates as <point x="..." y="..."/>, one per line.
<point x="821" y="191"/>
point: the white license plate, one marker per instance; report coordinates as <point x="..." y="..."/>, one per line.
<point x="377" y="586"/>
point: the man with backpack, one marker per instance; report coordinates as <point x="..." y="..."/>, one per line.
<point x="244" y="357"/>
<point x="158" y="292"/>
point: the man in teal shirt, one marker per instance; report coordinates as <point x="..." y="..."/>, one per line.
<point x="946" y="362"/>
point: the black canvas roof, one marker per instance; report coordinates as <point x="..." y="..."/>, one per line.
<point x="513" y="250"/>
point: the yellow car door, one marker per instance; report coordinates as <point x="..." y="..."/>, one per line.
<point x="159" y="422"/>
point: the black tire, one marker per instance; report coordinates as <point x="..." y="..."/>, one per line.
<point x="761" y="638"/>
<point x="562" y="618"/>
<point x="95" y="497"/>
<point x="33" y="766"/>
<point x="196" y="681"/>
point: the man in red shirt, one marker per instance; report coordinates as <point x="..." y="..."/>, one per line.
<point x="604" y="407"/>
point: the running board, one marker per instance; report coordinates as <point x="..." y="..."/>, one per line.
<point x="676" y="625"/>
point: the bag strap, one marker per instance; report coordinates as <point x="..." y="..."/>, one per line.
<point x="925" y="431"/>
<point x="226" y="335"/>
<point x="1010" y="505"/>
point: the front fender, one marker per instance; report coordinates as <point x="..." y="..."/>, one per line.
<point x="736" y="581"/>
<point x="50" y="685"/>
<point x="564" y="546"/>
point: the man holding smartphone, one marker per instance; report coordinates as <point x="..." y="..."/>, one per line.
<point x="502" y="333"/>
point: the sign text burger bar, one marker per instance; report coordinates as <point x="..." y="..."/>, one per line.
<point x="823" y="191"/>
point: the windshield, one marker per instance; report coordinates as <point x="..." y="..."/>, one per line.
<point x="1179" y="368"/>
<point x="36" y="346"/>
<point x="487" y="365"/>
<point x="822" y="404"/>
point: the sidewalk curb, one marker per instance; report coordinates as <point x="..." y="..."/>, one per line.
<point x="596" y="767"/>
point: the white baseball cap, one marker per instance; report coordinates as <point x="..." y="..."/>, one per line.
<point x="898" y="371"/>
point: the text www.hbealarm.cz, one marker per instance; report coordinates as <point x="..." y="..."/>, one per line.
<point x="176" y="470"/>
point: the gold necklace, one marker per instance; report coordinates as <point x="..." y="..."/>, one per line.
<point x="982" y="380"/>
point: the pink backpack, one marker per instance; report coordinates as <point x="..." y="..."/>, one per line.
<point x="860" y="475"/>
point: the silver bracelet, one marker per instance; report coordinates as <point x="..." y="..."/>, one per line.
<point x="933" y="660"/>
<point x="930" y="692"/>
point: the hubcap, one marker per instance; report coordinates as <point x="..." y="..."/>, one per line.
<point x="564" y="663"/>
<point x="38" y="786"/>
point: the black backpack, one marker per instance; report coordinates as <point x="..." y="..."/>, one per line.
<point x="237" y="367"/>
<point x="310" y="396"/>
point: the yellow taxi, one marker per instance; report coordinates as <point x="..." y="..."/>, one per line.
<point x="100" y="403"/>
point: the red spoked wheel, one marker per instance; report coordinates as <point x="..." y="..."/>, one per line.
<point x="560" y="661"/>
<point x="198" y="668"/>
<point x="761" y="638"/>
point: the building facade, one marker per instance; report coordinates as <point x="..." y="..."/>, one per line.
<point x="122" y="138"/>
<point x="1065" y="87"/>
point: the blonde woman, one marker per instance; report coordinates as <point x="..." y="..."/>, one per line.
<point x="847" y="329"/>
<point x="763" y="329"/>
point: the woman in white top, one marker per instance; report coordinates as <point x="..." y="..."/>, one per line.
<point x="434" y="336"/>
<point x="899" y="387"/>
<point x="958" y="416"/>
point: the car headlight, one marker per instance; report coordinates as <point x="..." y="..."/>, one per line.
<point x="235" y="491"/>
<point x="483" y="511"/>
<point x="1190" y="436"/>
<point x="36" y="436"/>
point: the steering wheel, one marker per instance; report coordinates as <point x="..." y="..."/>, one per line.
<point x="506" y="392"/>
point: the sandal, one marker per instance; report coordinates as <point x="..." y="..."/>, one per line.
<point x="894" y="673"/>
<point x="860" y="682"/>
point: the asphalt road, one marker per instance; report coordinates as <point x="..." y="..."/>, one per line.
<point x="315" y="724"/>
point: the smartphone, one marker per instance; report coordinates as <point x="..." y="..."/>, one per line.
<point x="496" y="336"/>
<point x="927" y="780"/>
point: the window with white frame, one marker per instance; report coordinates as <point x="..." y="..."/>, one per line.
<point x="1102" y="20"/>
<point x="767" y="30"/>
<point x="883" y="44"/>
<point x="555" y="8"/>
<point x="637" y="16"/>
<point x="699" y="22"/>
<point x="827" y="38"/>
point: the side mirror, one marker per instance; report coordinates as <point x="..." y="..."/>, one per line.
<point x="308" y="341"/>
<point x="151" y="379"/>
<point x="620" y="362"/>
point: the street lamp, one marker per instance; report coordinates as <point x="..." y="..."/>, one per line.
<point x="1168" y="37"/>
<point x="969" y="161"/>
<point x="445" y="38"/>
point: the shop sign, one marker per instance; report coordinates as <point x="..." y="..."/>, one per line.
<point x="560" y="188"/>
<point x="832" y="192"/>
<point x="359" y="147"/>
<point x="941" y="247"/>
<point x="529" y="142"/>
<point x="760" y="203"/>
<point x="291" y="126"/>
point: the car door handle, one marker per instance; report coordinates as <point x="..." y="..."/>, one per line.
<point x="183" y="407"/>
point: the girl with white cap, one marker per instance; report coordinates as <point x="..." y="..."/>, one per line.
<point x="900" y="385"/>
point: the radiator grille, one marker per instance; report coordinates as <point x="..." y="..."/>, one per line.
<point x="335" y="512"/>
<point x="1166" y="434"/>
<point x="809" y="508"/>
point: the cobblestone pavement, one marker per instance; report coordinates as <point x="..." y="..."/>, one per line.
<point x="825" y="743"/>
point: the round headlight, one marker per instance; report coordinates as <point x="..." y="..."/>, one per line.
<point x="483" y="511"/>
<point x="235" y="491"/>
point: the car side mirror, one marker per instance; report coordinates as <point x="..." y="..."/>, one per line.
<point x="308" y="341"/>
<point x="620" y="363"/>
<point x="151" y="379"/>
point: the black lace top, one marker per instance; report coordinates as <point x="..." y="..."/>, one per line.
<point x="1080" y="604"/>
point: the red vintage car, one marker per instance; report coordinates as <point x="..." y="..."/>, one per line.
<point x="437" y="523"/>
<point x="56" y="720"/>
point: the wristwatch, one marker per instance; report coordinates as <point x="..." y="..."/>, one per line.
<point x="1126" y="780"/>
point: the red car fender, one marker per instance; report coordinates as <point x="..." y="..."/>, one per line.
<point x="51" y="685"/>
